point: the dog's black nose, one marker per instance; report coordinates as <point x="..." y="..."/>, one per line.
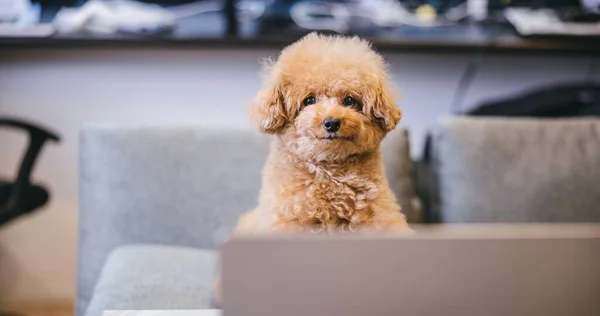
<point x="332" y="125"/>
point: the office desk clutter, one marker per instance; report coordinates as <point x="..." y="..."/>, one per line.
<point x="142" y="18"/>
<point x="18" y="12"/>
<point x="339" y="16"/>
<point x="444" y="25"/>
<point x="21" y="18"/>
<point x="119" y="16"/>
<point x="532" y="22"/>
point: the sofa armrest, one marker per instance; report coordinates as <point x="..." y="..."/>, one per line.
<point x="154" y="277"/>
<point x="182" y="186"/>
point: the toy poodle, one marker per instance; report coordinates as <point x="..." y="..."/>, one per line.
<point x="328" y="102"/>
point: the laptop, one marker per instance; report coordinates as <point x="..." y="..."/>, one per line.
<point x="464" y="270"/>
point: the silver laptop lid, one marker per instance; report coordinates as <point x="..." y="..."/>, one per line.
<point x="466" y="270"/>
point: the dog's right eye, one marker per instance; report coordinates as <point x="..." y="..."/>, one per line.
<point x="309" y="101"/>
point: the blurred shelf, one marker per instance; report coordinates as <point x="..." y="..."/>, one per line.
<point x="209" y="31"/>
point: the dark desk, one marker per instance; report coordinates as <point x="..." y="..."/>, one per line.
<point x="209" y="31"/>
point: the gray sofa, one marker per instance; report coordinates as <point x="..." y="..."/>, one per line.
<point x="157" y="201"/>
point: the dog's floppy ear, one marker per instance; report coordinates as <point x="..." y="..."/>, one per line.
<point x="267" y="111"/>
<point x="384" y="109"/>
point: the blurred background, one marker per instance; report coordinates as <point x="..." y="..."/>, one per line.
<point x="64" y="63"/>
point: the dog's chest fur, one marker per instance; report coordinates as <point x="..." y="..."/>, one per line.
<point x="325" y="198"/>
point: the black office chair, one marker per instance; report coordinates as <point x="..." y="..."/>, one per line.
<point x="20" y="196"/>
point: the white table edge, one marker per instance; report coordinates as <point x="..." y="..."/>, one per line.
<point x="182" y="312"/>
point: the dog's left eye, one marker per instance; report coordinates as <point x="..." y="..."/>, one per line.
<point x="349" y="101"/>
<point x="309" y="101"/>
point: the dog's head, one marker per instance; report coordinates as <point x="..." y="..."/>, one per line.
<point x="327" y="98"/>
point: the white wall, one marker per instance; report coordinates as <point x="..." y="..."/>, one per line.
<point x="64" y="88"/>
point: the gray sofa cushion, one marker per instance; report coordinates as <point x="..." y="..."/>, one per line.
<point x="400" y="174"/>
<point x="517" y="170"/>
<point x="161" y="185"/>
<point x="177" y="186"/>
<point x="155" y="277"/>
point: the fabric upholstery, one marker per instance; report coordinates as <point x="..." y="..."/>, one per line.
<point x="161" y="185"/>
<point x="517" y="170"/>
<point x="400" y="174"/>
<point x="181" y="186"/>
<point x="154" y="277"/>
